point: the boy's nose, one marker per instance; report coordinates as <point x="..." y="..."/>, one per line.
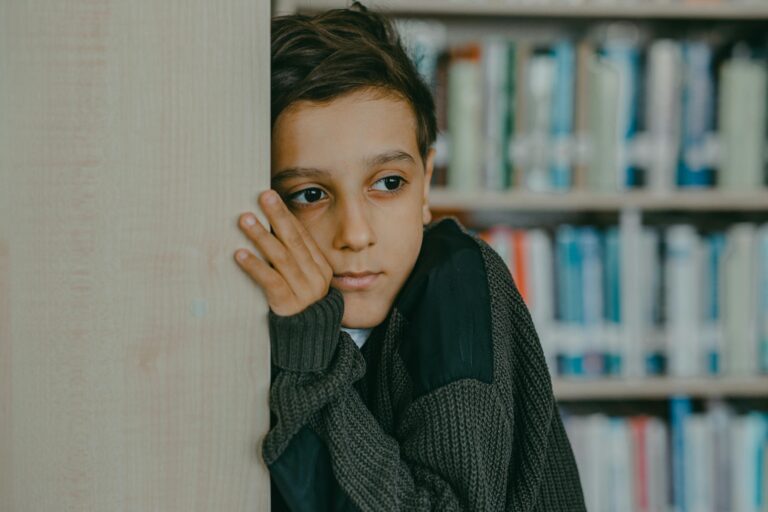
<point x="354" y="230"/>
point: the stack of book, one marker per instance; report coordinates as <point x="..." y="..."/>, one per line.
<point x="712" y="461"/>
<point x="635" y="301"/>
<point x="606" y="112"/>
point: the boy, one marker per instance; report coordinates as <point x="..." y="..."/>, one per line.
<point x="407" y="374"/>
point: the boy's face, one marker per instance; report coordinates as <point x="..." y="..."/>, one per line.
<point x="351" y="173"/>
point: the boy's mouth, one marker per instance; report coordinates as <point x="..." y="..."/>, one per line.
<point x="354" y="281"/>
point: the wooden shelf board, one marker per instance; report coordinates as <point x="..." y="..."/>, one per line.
<point x="643" y="9"/>
<point x="442" y="199"/>
<point x="659" y="387"/>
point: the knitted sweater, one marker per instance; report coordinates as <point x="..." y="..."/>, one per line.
<point x="447" y="406"/>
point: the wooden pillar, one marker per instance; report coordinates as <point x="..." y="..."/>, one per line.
<point x="134" y="353"/>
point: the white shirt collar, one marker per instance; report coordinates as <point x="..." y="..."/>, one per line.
<point x="359" y="336"/>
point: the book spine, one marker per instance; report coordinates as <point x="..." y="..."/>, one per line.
<point x="540" y="90"/>
<point x="624" y="56"/>
<point x="592" y="300"/>
<point x="569" y="299"/>
<point x="562" y="114"/>
<point x="638" y="430"/>
<point x="683" y="300"/>
<point x="762" y="242"/>
<point x="742" y="123"/>
<point x="697" y="115"/>
<point x="613" y="300"/>
<point x="465" y="118"/>
<point x="495" y="109"/>
<point x="679" y="409"/>
<point x="740" y="301"/>
<point x="604" y="168"/>
<point x="663" y="112"/>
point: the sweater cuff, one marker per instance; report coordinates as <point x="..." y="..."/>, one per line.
<point x="306" y="341"/>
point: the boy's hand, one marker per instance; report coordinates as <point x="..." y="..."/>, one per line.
<point x="296" y="274"/>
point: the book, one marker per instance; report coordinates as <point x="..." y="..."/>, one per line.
<point x="740" y="300"/>
<point x="683" y="300"/>
<point x="634" y="300"/>
<point x="762" y="312"/>
<point x="680" y="408"/>
<point x="663" y="105"/>
<point x="742" y="115"/>
<point x="498" y="111"/>
<point x="465" y="118"/>
<point x="539" y="92"/>
<point x="604" y="167"/>
<point x="564" y="55"/>
<point x="623" y="55"/>
<point x="697" y="116"/>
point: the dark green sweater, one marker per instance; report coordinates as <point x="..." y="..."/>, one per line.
<point x="448" y="406"/>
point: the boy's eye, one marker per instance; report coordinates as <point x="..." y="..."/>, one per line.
<point x="310" y="195"/>
<point x="391" y="183"/>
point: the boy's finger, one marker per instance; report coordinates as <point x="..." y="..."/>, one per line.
<point x="301" y="274"/>
<point x="275" y="288"/>
<point x="290" y="231"/>
<point x="273" y="251"/>
<point x="313" y="249"/>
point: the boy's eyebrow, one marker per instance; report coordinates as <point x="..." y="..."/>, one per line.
<point x="388" y="156"/>
<point x="369" y="162"/>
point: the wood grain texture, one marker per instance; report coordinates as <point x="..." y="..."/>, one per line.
<point x="134" y="353"/>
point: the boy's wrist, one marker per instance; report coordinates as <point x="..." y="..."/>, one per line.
<point x="307" y="340"/>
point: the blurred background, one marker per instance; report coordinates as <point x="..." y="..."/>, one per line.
<point x="614" y="153"/>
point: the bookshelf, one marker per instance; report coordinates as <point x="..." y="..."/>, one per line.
<point x="667" y="407"/>
<point x="656" y="388"/>
<point x="553" y="9"/>
<point x="444" y="199"/>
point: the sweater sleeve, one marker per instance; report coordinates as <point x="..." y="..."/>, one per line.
<point x="326" y="451"/>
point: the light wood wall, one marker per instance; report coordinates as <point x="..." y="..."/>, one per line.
<point x="134" y="363"/>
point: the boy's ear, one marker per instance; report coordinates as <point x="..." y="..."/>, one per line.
<point x="426" y="214"/>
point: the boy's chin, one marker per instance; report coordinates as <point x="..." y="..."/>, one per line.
<point x="360" y="315"/>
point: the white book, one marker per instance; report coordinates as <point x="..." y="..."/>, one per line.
<point x="740" y="301"/>
<point x="539" y="91"/>
<point x="657" y="448"/>
<point x="597" y="466"/>
<point x="619" y="481"/>
<point x="495" y="66"/>
<point x="699" y="464"/>
<point x="541" y="290"/>
<point x="663" y="96"/>
<point x="631" y="240"/>
<point x="747" y="434"/>
<point x="684" y="304"/>
<point x="742" y="115"/>
<point x="603" y="127"/>
<point x="721" y="413"/>
<point x="464" y="124"/>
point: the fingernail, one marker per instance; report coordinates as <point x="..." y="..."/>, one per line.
<point x="241" y="255"/>
<point x="249" y="220"/>
<point x="270" y="197"/>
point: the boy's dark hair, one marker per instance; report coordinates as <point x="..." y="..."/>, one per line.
<point x="319" y="58"/>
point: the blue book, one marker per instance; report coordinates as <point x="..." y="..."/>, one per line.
<point x="679" y="409"/>
<point x="562" y="112"/>
<point x="698" y="105"/>
<point x="762" y="264"/>
<point x="759" y="442"/>
<point x="592" y="299"/>
<point x="612" y="293"/>
<point x="715" y="244"/>
<point x="569" y="289"/>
